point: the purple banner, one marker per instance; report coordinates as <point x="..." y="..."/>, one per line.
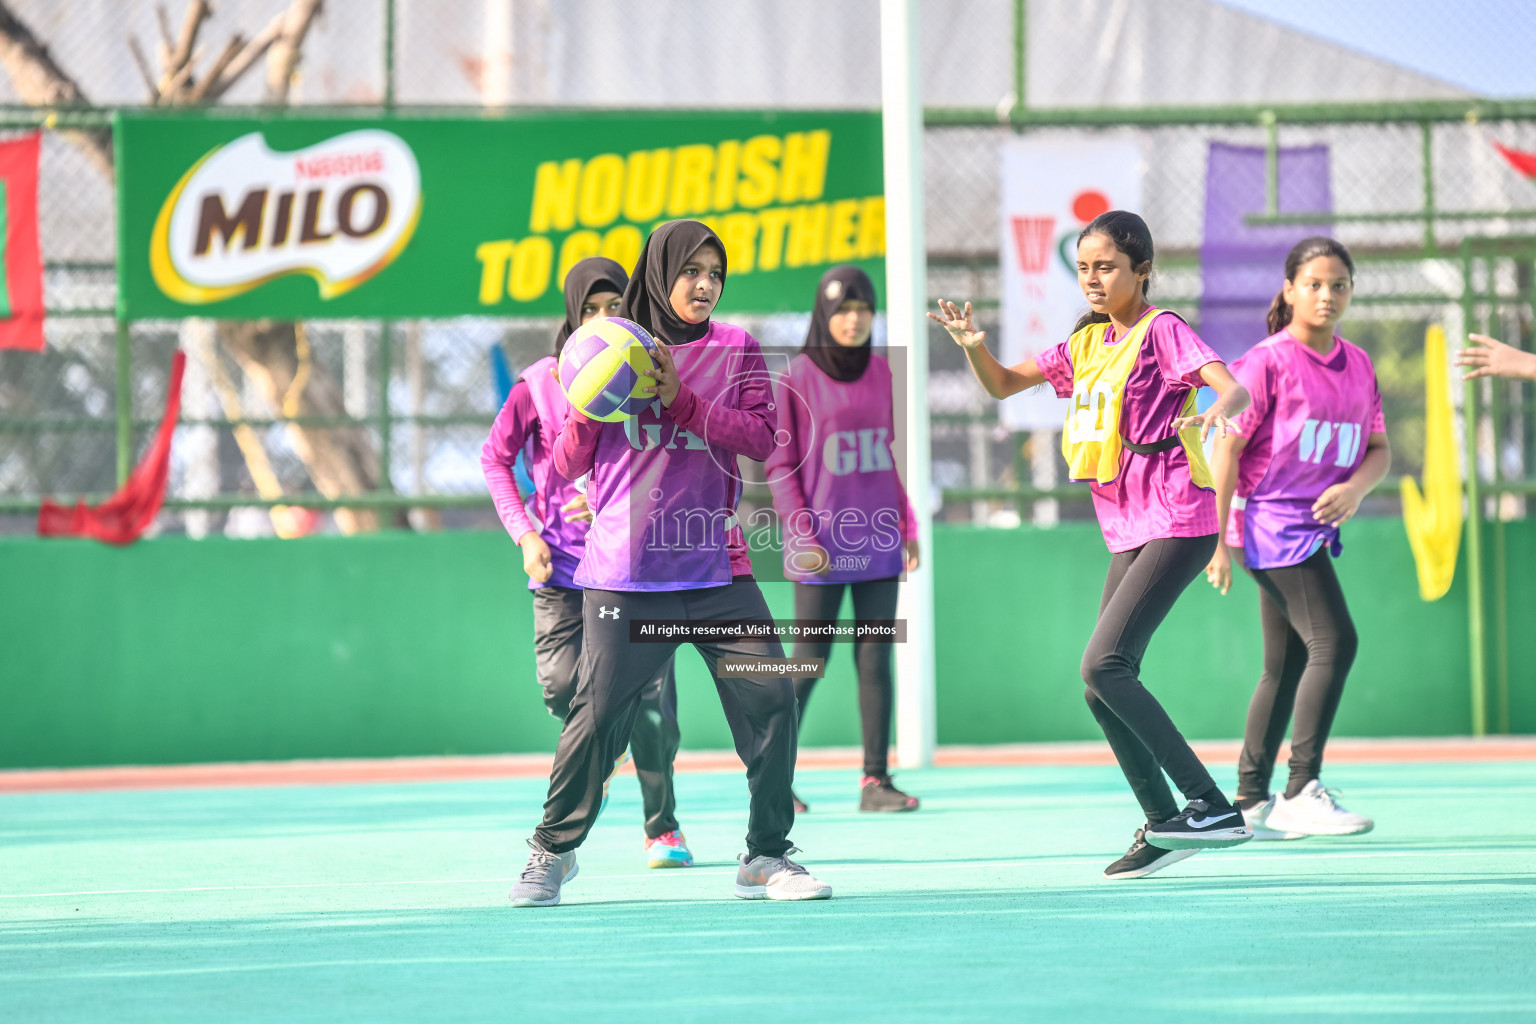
<point x="1243" y="265"/>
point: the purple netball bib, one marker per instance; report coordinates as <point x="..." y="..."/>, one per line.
<point x="664" y="492"/>
<point x="1306" y="430"/>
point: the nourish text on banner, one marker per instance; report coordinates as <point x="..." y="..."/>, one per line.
<point x="291" y="217"/>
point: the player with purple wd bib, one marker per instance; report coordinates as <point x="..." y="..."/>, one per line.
<point x="529" y="422"/>
<point x="1308" y="450"/>
<point x="665" y="545"/>
<point x="845" y="516"/>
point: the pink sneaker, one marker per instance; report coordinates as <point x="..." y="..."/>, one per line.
<point x="668" y="850"/>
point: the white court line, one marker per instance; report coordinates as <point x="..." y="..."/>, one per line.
<point x="254" y="888"/>
<point x="705" y="873"/>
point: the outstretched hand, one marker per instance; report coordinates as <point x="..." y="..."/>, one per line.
<point x="1207" y="421"/>
<point x="959" y="324"/>
<point x="1490" y="357"/>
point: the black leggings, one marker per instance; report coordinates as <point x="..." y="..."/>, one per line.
<point x="612" y="677"/>
<point x="1309" y="645"/>
<point x="557" y="634"/>
<point x="1140" y="590"/>
<point x="872" y="599"/>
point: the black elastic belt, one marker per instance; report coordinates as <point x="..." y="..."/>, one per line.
<point x="1166" y="444"/>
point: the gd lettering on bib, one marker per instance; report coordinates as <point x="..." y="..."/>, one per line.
<point x="1091" y="441"/>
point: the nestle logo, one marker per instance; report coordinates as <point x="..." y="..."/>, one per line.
<point x="337" y="165"/>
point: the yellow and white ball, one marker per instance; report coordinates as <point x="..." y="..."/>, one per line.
<point x="603" y="367"/>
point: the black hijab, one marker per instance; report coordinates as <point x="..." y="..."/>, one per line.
<point x="840" y="362"/>
<point x="648" y="299"/>
<point x="593" y="274"/>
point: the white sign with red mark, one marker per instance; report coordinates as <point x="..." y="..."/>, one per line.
<point x="1051" y="189"/>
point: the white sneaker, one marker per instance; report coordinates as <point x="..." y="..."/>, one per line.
<point x="1257" y="817"/>
<point x="1313" y="812"/>
<point x="778" y="878"/>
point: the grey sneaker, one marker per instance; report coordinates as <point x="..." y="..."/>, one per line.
<point x="778" y="878"/>
<point x="539" y="885"/>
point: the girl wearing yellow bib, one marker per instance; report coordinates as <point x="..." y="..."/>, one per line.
<point x="1132" y="432"/>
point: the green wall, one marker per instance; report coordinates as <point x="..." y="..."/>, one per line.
<point x="395" y="644"/>
<point x="1009" y="668"/>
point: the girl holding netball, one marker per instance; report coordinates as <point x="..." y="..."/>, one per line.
<point x="1131" y="371"/>
<point x="529" y="422"/>
<point x="1304" y="455"/>
<point x="665" y="546"/>
<point x="845" y="516"/>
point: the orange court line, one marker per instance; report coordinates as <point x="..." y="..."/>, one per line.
<point x="356" y="771"/>
<point x="1414" y="749"/>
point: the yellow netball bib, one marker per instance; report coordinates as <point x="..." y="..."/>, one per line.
<point x="1091" y="441"/>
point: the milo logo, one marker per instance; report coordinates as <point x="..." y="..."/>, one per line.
<point x="340" y="211"/>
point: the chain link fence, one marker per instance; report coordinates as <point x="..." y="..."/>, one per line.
<point x="416" y="397"/>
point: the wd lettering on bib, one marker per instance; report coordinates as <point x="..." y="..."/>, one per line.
<point x="1308" y="426"/>
<point x="1315" y="435"/>
<point x="1091" y="441"/>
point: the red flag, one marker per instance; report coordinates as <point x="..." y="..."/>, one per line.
<point x="21" y="288"/>
<point x="122" y="518"/>
<point x="1525" y="163"/>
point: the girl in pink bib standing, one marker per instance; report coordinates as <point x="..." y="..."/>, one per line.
<point x="1306" y="452"/>
<point x="665" y="547"/>
<point x="529" y="422"/>
<point x="1131" y="371"/>
<point x="846" y="520"/>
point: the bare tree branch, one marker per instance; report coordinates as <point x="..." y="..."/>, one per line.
<point x="163" y="23"/>
<point x="197" y="10"/>
<point x="176" y="88"/>
<point x="200" y="92"/>
<point x="142" y="63"/>
<point x="340" y="461"/>
<point x="284" y="57"/>
<point x="40" y="82"/>
<point x="253" y="51"/>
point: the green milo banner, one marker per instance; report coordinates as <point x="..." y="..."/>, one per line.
<point x="301" y="217"/>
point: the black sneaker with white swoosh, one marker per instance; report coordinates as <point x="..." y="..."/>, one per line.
<point x="1142" y="859"/>
<point x="1199" y="826"/>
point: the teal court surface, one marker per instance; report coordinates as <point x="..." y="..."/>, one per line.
<point x="387" y="902"/>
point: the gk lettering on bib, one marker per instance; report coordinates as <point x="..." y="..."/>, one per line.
<point x="857" y="451"/>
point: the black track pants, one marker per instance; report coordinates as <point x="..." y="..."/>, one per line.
<point x="1141" y="588"/>
<point x="872" y="599"/>
<point x="557" y="636"/>
<point x="612" y="676"/>
<point x="1309" y="646"/>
